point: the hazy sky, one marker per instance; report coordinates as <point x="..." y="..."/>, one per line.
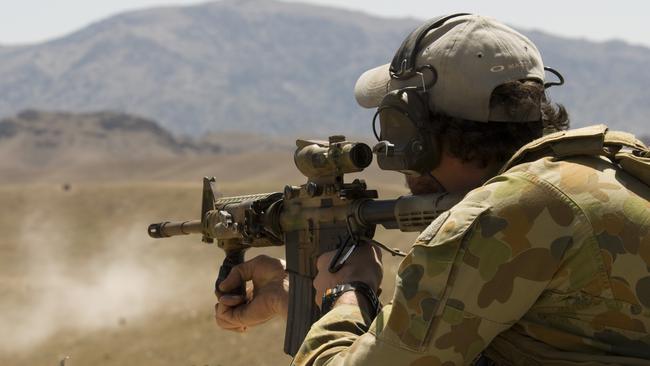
<point x="27" y="21"/>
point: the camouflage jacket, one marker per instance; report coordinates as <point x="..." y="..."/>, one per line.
<point x="546" y="264"/>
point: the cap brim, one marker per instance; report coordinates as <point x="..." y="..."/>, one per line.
<point x="372" y="86"/>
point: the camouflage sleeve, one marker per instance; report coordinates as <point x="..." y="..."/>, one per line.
<point x="473" y="273"/>
<point x="331" y="337"/>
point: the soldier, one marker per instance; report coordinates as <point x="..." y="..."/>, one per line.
<point x="545" y="262"/>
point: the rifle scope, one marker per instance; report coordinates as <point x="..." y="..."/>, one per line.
<point x="329" y="159"/>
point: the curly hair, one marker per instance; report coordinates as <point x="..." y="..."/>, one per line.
<point x="496" y="142"/>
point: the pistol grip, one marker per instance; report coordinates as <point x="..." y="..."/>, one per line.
<point x="232" y="259"/>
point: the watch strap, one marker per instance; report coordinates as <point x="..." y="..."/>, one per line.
<point x="332" y="294"/>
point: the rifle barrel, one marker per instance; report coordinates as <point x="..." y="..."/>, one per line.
<point x="166" y="229"/>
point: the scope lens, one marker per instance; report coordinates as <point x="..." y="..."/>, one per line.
<point x="361" y="155"/>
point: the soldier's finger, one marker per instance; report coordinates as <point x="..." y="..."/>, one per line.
<point x="226" y="323"/>
<point x="226" y="318"/>
<point x="231" y="300"/>
<point x="323" y="261"/>
<point x="229" y="327"/>
<point x="378" y="252"/>
<point x="241" y="273"/>
<point x="223" y="322"/>
<point x="253" y="313"/>
<point x="235" y="278"/>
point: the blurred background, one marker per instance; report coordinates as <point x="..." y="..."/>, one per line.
<point x="111" y="112"/>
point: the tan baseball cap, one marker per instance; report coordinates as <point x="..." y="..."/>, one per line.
<point x="472" y="55"/>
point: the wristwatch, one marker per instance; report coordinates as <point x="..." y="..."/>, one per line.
<point x="332" y="294"/>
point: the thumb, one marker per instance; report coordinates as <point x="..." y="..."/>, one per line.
<point x="378" y="253"/>
<point x="237" y="277"/>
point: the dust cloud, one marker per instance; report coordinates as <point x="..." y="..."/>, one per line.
<point x="61" y="287"/>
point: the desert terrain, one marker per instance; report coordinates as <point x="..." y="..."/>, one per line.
<point x="82" y="283"/>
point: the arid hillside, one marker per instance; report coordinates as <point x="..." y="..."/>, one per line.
<point x="33" y="143"/>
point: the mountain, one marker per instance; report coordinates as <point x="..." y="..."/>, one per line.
<point x="41" y="140"/>
<point x="250" y="66"/>
<point x="605" y="82"/>
<point x="260" y="66"/>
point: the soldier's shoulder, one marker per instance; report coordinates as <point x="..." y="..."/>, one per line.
<point x="575" y="173"/>
<point x="593" y="183"/>
<point x="510" y="201"/>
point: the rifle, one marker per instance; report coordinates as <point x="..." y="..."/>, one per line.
<point x="322" y="215"/>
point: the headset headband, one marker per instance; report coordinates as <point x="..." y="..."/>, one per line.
<point x="403" y="65"/>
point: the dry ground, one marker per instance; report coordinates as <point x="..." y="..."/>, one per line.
<point x="80" y="278"/>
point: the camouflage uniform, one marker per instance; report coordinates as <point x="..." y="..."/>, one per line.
<point x="546" y="264"/>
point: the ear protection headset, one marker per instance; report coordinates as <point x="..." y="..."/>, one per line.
<point x="406" y="142"/>
<point x="404" y="113"/>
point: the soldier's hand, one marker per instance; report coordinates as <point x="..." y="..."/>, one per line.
<point x="363" y="265"/>
<point x="267" y="297"/>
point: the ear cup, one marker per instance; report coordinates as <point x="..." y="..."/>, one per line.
<point x="407" y="142"/>
<point x="406" y="133"/>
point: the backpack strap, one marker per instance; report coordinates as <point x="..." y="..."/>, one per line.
<point x="624" y="139"/>
<point x="594" y="140"/>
